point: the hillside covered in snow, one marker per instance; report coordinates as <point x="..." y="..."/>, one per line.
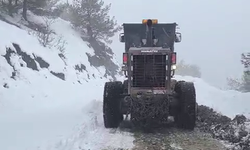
<point x="46" y="79"/>
<point x="51" y="92"/>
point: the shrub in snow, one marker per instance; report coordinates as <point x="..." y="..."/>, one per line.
<point x="45" y="33"/>
<point x="242" y="84"/>
<point x="234" y="84"/>
<point x="185" y="69"/>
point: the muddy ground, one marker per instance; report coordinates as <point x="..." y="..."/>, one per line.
<point x="175" y="139"/>
<point x="212" y="132"/>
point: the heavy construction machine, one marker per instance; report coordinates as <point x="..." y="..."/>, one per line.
<point x="149" y="95"/>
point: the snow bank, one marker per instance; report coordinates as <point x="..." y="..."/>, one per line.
<point x="234" y="131"/>
<point x="227" y="102"/>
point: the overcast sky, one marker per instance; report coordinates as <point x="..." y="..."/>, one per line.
<point x="214" y="32"/>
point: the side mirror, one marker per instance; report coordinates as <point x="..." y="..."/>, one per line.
<point x="121" y="37"/>
<point x="177" y="37"/>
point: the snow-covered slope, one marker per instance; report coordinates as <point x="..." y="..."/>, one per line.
<point x="36" y="106"/>
<point x="28" y="83"/>
<point x="38" y="110"/>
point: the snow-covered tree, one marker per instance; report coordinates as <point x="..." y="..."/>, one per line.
<point x="242" y="84"/>
<point x="92" y="18"/>
<point x="245" y="60"/>
<point x="10" y="6"/>
<point x="46" y="4"/>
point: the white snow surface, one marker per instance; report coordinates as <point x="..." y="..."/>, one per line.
<point x="227" y="102"/>
<point x="39" y="111"/>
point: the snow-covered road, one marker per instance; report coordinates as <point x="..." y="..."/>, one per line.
<point x="36" y="129"/>
<point x="65" y="128"/>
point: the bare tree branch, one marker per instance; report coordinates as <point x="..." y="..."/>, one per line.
<point x="45" y="36"/>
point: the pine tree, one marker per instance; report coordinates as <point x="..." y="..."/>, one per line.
<point x="9" y="6"/>
<point x="91" y="16"/>
<point x="37" y="3"/>
<point x="245" y="60"/>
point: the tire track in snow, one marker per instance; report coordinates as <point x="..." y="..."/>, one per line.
<point x="92" y="135"/>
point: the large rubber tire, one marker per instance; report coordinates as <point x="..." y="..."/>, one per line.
<point x="111" y="104"/>
<point x="186" y="94"/>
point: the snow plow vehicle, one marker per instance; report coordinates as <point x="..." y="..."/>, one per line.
<point x="149" y="94"/>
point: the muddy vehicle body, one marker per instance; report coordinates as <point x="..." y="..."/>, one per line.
<point x="149" y="94"/>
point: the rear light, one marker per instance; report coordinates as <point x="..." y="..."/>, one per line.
<point x="125" y="58"/>
<point x="173" y="58"/>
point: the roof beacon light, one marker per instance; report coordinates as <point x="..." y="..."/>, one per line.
<point x="154" y="21"/>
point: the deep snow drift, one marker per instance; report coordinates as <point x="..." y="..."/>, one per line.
<point x="40" y="110"/>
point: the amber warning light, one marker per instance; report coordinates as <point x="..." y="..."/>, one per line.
<point x="154" y="21"/>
